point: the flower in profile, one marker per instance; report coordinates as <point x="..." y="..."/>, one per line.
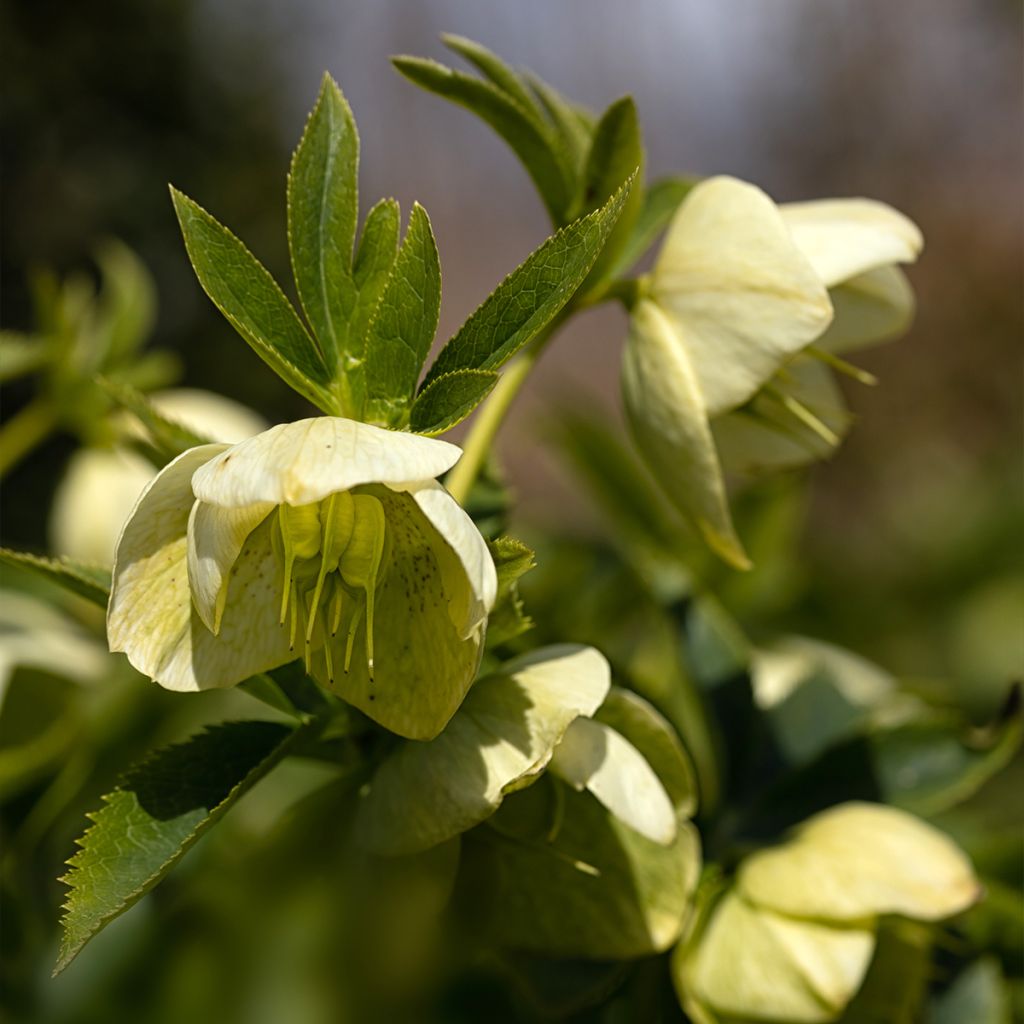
<point x="731" y="299"/>
<point x="327" y="540"/>
<point x="806" y="915"/>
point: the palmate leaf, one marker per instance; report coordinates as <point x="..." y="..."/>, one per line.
<point x="161" y="807"/>
<point x="531" y="296"/>
<point x="89" y="581"/>
<point x="243" y="290"/>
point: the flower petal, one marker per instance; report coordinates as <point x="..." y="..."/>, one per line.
<point x="870" y="307"/>
<point x="151" y="616"/>
<point x="298" y="463"/>
<point x="741" y="295"/>
<point x="594" y="756"/>
<point x="215" y="539"/>
<point x="504" y="732"/>
<point x="751" y="963"/>
<point x="846" y="237"/>
<point x="669" y="422"/>
<point x="455" y="526"/>
<point x="208" y="414"/>
<point x="859" y="860"/>
<point x="764" y="436"/>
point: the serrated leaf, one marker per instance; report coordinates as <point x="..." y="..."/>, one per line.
<point x="402" y="329"/>
<point x="508" y="618"/>
<point x="530" y="140"/>
<point x="449" y="399"/>
<point x="168" y="438"/>
<point x="660" y="202"/>
<point x="89" y="581"/>
<point x="531" y="296"/>
<point x="494" y="68"/>
<point x="615" y="154"/>
<point x="242" y="289"/>
<point x="378" y="247"/>
<point x="323" y="205"/>
<point x="156" y="813"/>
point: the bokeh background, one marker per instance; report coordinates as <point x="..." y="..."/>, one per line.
<point x="908" y="543"/>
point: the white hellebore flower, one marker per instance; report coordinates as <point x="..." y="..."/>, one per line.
<point x="325" y="539"/>
<point x="730" y="299"/>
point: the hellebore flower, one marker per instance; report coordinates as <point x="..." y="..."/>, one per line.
<point x="324" y="539"/>
<point x="100" y="485"/>
<point x="805" y="914"/>
<point x="731" y="299"/>
<point x="854" y="246"/>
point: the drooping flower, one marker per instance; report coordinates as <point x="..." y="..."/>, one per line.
<point x="805" y="914"/>
<point x="731" y="299"/>
<point x="324" y="539"/>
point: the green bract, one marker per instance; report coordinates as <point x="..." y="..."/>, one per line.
<point x="326" y="539"/>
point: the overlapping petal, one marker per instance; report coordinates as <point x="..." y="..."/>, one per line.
<point x="302" y="462"/>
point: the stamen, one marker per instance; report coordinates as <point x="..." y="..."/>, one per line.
<point x="360" y="563"/>
<point x="805" y="416"/>
<point x="842" y="366"/>
<point x="338" y="520"/>
<point x="335" y="606"/>
<point x="299" y="527"/>
<point x="353" y="626"/>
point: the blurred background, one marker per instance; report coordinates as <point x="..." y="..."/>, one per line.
<point x="907" y="544"/>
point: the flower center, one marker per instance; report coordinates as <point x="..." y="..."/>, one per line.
<point x="331" y="553"/>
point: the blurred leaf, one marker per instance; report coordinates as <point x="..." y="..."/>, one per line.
<point x="494" y="68"/>
<point x="616" y="154"/>
<point x="572" y="126"/>
<point x="978" y="995"/>
<point x="530" y="139"/>
<point x="508" y="618"/>
<point x="594" y="889"/>
<point x="449" y="399"/>
<point x="660" y="202"/>
<point x="162" y="806"/>
<point x="403" y="326"/>
<point x="127" y="303"/>
<point x="89" y="581"/>
<point x="559" y="988"/>
<point x="323" y="205"/>
<point x="21" y="354"/>
<point x="242" y="289"/>
<point x="531" y="296"/>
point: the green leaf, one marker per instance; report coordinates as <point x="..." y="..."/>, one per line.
<point x="378" y="247"/>
<point x="530" y="140"/>
<point x="508" y="618"/>
<point x="494" y="68"/>
<point x="616" y="152"/>
<point x="156" y="813"/>
<point x="323" y="205"/>
<point x="449" y="399"/>
<point x="242" y="289"/>
<point x="167" y="437"/>
<point x="660" y="202"/>
<point x="89" y="581"/>
<point x="572" y="126"/>
<point x="977" y="995"/>
<point x="127" y="303"/>
<point x="531" y="296"/>
<point x="21" y="354"/>
<point x="402" y="329"/>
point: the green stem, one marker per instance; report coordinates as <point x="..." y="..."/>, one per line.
<point x="25" y="430"/>
<point x="487" y="424"/>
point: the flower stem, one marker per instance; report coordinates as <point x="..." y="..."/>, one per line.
<point x="25" y="430"/>
<point x="487" y="424"/>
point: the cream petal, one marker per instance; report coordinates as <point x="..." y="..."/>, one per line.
<point x="215" y="539"/>
<point x="208" y="414"/>
<point x="751" y="963"/>
<point x="595" y="757"/>
<point x="764" y="436"/>
<point x="670" y="425"/>
<point x="859" y="860"/>
<point x="455" y="526"/>
<point x="503" y="733"/>
<point x="298" y="463"/>
<point x="742" y="297"/>
<point x="151" y="617"/>
<point x="843" y="238"/>
<point x="871" y="307"/>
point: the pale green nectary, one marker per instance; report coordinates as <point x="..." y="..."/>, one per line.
<point x="500" y="739"/>
<point x="730" y="300"/>
<point x="324" y="539"/>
